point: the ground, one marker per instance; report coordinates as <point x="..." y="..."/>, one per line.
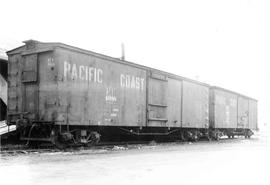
<point x="237" y="161"/>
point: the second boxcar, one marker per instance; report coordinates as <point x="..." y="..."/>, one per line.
<point x="232" y="113"/>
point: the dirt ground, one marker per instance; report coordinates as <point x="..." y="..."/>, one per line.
<point x="237" y="161"/>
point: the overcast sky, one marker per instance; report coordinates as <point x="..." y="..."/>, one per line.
<point x="223" y="43"/>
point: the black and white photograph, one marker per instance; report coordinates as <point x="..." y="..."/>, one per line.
<point x="134" y="92"/>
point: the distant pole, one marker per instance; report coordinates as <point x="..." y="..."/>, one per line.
<point x="123" y="51"/>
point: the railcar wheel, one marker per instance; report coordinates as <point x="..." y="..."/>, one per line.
<point x="60" y="141"/>
<point x="196" y="135"/>
<point x="248" y="134"/>
<point x="86" y="138"/>
<point x="183" y="136"/>
<point x="207" y="135"/>
<point x="215" y="135"/>
<point x="93" y="138"/>
<point x="59" y="144"/>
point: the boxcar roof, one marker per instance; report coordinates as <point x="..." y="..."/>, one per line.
<point x="229" y="91"/>
<point x="48" y="46"/>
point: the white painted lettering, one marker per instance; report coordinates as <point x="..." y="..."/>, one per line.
<point x="81" y="69"/>
<point x="132" y="82"/>
<point x="95" y="75"/>
<point x="90" y="73"/>
<point x="74" y="72"/>
<point x="99" y="76"/>
<point x="128" y="81"/>
<point x="122" y="79"/>
<point x="142" y="81"/>
<point x="84" y="73"/>
<point x="67" y="68"/>
<point x="110" y="94"/>
<point x="137" y="83"/>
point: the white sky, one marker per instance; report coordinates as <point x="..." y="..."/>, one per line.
<point x="223" y="43"/>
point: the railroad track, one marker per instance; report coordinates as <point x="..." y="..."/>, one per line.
<point x="49" y="148"/>
<point x="24" y="149"/>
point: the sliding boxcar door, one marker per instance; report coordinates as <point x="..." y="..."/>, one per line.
<point x="157" y="102"/>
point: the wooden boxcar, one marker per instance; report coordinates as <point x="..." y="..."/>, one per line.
<point x="232" y="113"/>
<point x="64" y="94"/>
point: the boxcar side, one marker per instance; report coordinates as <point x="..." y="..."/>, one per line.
<point x="253" y="118"/>
<point x="95" y="91"/>
<point x="232" y="113"/>
<point x="195" y="108"/>
<point x="243" y="112"/>
<point x="176" y="102"/>
<point x="223" y="109"/>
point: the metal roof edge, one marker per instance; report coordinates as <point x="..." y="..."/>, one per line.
<point x="233" y="92"/>
<point x="13" y="50"/>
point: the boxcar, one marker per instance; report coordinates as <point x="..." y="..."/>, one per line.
<point x="232" y="113"/>
<point x="65" y="95"/>
<point x="62" y="93"/>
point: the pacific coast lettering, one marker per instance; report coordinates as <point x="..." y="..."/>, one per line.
<point x="132" y="82"/>
<point x="93" y="74"/>
<point x="81" y="72"/>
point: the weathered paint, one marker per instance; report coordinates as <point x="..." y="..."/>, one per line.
<point x="195" y="113"/>
<point x="82" y="72"/>
<point x="157" y="101"/>
<point x="15" y="86"/>
<point x="30" y="90"/>
<point x="75" y="88"/>
<point x="72" y="86"/>
<point x="29" y="68"/>
<point x="174" y="100"/>
<point x="243" y="112"/>
<point x="48" y="89"/>
<point x="132" y="82"/>
<point x="253" y="122"/>
<point x="232" y="110"/>
<point x="94" y="91"/>
<point x="223" y="109"/>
